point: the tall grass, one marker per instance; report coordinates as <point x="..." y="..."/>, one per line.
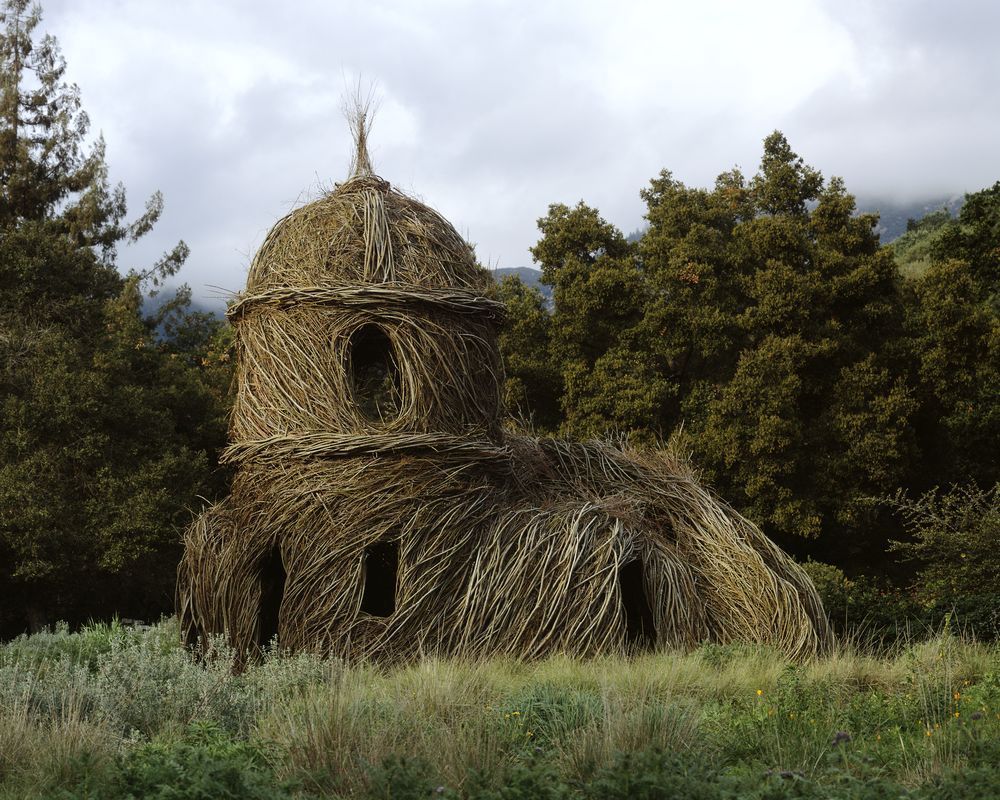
<point x="75" y="705"/>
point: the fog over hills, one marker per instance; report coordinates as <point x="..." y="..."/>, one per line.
<point x="893" y="216"/>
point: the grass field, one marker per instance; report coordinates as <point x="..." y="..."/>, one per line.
<point x="114" y="712"/>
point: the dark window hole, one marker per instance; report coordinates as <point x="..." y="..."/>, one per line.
<point x="381" y="564"/>
<point x="640" y="632"/>
<point x="272" y="589"/>
<point x="374" y="373"/>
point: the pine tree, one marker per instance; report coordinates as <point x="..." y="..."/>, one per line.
<point x="105" y="426"/>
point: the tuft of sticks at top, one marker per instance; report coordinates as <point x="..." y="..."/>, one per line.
<point x="360" y="110"/>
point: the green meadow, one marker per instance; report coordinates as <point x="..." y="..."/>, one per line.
<point x="118" y="712"/>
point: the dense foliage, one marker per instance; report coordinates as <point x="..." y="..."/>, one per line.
<point x="811" y="378"/>
<point x="812" y="373"/>
<point x="109" y="417"/>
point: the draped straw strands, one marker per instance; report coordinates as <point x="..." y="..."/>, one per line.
<point x="381" y="510"/>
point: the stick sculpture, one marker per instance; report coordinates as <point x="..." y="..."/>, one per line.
<point x="381" y="509"/>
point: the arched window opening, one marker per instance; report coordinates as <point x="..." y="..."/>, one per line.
<point x="381" y="563"/>
<point x="272" y="590"/>
<point x="374" y="373"/>
<point x="640" y="632"/>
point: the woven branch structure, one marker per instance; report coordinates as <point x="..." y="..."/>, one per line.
<point x="380" y="508"/>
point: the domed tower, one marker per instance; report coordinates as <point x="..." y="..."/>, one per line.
<point x="367" y="372"/>
<point x="365" y="316"/>
<point x="380" y="509"/>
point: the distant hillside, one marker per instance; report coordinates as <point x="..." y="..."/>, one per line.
<point x="205" y="305"/>
<point x="894" y="216"/>
<point x="528" y="276"/>
<point x="913" y="248"/>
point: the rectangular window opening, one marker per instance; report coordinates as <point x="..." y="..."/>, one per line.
<point x="381" y="563"/>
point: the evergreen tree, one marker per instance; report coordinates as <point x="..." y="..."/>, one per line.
<point x="107" y="420"/>
<point x="815" y="415"/>
<point x="764" y="318"/>
<point x="832" y="400"/>
<point x="533" y="385"/>
<point x="597" y="337"/>
<point x="953" y="326"/>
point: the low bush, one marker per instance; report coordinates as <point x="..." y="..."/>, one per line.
<point x="954" y="536"/>
<point x="869" y="611"/>
<point x="205" y="763"/>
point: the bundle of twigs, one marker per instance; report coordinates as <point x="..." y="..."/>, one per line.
<point x="380" y="510"/>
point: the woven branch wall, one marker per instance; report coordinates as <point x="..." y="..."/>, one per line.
<point x="381" y="510"/>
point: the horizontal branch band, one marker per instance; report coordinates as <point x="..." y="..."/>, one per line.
<point x="396" y="295"/>
<point x="339" y="445"/>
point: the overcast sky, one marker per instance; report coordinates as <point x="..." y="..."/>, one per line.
<point x="492" y="110"/>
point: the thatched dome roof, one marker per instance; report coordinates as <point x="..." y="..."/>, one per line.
<point x="365" y="232"/>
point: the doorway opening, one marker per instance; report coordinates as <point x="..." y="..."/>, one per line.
<point x="381" y="564"/>
<point x="640" y="631"/>
<point x="272" y="589"/>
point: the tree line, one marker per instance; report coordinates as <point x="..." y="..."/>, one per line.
<point x="810" y="372"/>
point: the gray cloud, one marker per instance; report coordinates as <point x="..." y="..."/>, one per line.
<point x="917" y="112"/>
<point x="491" y="110"/>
